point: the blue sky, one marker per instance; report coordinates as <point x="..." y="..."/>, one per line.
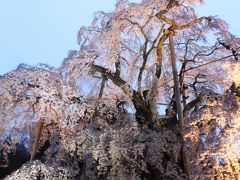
<point x="44" y="31"/>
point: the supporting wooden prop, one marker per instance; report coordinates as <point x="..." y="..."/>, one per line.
<point x="178" y="100"/>
<point x="176" y="82"/>
<point x="36" y="139"/>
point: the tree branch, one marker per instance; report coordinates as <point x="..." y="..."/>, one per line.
<point x="216" y="60"/>
<point x="194" y="22"/>
<point x="170" y="5"/>
<point x="140" y="27"/>
<point x="192" y="104"/>
<point x="159" y="53"/>
<point x="116" y="79"/>
<point x="145" y="57"/>
<point x="104" y="78"/>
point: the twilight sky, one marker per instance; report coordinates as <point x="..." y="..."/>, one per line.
<point x="44" y="31"/>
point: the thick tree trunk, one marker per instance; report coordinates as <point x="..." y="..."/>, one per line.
<point x="144" y="115"/>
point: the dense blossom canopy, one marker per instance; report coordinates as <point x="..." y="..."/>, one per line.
<point x="110" y="110"/>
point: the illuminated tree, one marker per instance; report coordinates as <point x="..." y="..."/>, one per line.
<point x="124" y="68"/>
<point x="131" y="51"/>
